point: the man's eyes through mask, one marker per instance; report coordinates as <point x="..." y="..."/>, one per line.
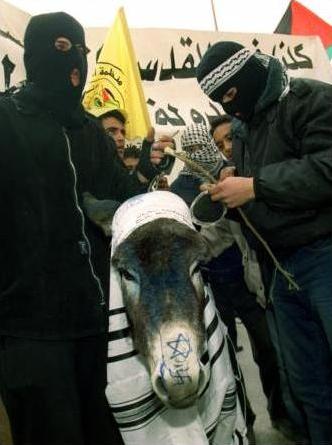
<point x="63" y="44"/>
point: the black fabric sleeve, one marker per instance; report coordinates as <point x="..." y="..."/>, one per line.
<point x="304" y="182"/>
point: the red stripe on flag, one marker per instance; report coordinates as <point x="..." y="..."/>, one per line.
<point x="304" y="22"/>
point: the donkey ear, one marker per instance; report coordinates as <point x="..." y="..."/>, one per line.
<point x="100" y="212"/>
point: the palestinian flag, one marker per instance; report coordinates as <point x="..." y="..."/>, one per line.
<point x="298" y="20"/>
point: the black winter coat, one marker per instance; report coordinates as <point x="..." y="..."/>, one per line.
<point x="288" y="151"/>
<point x="54" y="262"/>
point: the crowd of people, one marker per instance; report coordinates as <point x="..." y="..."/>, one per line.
<point x="270" y="155"/>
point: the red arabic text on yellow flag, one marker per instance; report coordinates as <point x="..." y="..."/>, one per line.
<point x="116" y="82"/>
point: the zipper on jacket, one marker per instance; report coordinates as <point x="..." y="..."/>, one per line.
<point x="80" y="211"/>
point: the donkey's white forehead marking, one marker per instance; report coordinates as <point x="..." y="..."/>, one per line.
<point x="145" y="208"/>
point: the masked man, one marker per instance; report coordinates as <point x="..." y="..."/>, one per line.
<point x="54" y="262"/>
<point x="282" y="148"/>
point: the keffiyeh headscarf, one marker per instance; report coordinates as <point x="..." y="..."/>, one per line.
<point x="207" y="156"/>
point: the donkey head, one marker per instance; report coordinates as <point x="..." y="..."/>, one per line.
<point x="163" y="292"/>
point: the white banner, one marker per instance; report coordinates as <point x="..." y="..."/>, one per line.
<point x="167" y="60"/>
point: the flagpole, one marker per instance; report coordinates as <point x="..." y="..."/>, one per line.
<point x="214" y="16"/>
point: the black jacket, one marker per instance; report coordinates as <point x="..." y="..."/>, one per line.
<point x="54" y="262"/>
<point x="288" y="151"/>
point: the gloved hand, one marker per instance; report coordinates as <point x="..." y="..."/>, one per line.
<point x="153" y="161"/>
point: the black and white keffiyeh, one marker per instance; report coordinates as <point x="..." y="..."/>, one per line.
<point x="207" y="155"/>
<point x="142" y="419"/>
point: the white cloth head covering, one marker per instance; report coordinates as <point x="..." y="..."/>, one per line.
<point x="147" y="207"/>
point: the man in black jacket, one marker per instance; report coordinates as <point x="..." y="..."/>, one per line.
<point x="282" y="149"/>
<point x="54" y="262"/>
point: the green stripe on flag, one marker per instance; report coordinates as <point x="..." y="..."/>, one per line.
<point x="329" y="51"/>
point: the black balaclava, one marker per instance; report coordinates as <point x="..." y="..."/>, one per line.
<point x="49" y="68"/>
<point x="226" y="65"/>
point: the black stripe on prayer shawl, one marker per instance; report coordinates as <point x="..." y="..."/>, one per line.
<point x="211" y="428"/>
<point x="230" y="395"/>
<point x="230" y="409"/>
<point x="119" y="310"/>
<point x="227" y="409"/>
<point x="138" y="413"/>
<point x="212" y="362"/>
<point x="206" y="300"/>
<point x="138" y="398"/>
<point x="205" y="358"/>
<point x="212" y="327"/>
<point x="209" y="332"/>
<point x="239" y="436"/>
<point x="117" y="358"/>
<point x="212" y="431"/>
<point x="141" y="402"/>
<point x="140" y="423"/>
<point x="215" y="357"/>
<point x="120" y="333"/>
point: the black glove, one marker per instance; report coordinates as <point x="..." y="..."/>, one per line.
<point x="149" y="170"/>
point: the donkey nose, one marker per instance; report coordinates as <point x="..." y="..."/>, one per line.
<point x="177" y="386"/>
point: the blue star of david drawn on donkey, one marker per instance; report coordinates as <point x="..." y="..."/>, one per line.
<point x="181" y="347"/>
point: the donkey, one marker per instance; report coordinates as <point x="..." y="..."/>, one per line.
<point x="170" y="379"/>
<point x="163" y="294"/>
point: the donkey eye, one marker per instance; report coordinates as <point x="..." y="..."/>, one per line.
<point x="195" y="269"/>
<point x="126" y="275"/>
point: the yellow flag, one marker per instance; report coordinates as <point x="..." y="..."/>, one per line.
<point x="116" y="82"/>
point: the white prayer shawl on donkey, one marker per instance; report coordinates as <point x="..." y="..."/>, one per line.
<point x="216" y="418"/>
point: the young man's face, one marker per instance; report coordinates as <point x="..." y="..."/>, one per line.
<point x="117" y="130"/>
<point x="223" y="140"/>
